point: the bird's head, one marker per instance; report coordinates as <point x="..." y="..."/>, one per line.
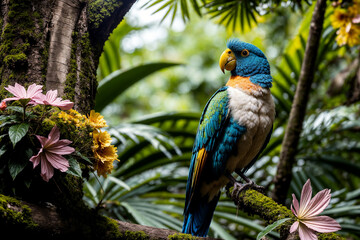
<point x="244" y="59"/>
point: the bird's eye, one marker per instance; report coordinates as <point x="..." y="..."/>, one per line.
<point x="229" y="52"/>
<point x="245" y="53"/>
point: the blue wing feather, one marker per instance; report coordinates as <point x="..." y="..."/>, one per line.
<point x="211" y="120"/>
<point x="217" y="136"/>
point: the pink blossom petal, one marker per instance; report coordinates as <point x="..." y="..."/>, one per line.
<point x="61" y="150"/>
<point x="305" y="198"/>
<point x="318" y="204"/>
<point x="65" y="105"/>
<point x="10" y="99"/>
<point x="39" y="98"/>
<point x="323" y="224"/>
<point x="54" y="135"/>
<point x="294" y="226"/>
<point x="47" y="171"/>
<point x="306" y="233"/>
<point x="296" y="205"/>
<point x="57" y="161"/>
<point x="50" y="155"/>
<point x="33" y="90"/>
<point x="43" y="140"/>
<point x="51" y="99"/>
<point x="36" y="159"/>
<point x="17" y="90"/>
<point x="51" y="95"/>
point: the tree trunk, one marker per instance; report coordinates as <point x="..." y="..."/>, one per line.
<point x="57" y="43"/>
<point x="298" y="109"/>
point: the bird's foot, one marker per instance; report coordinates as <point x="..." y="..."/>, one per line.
<point x="239" y="187"/>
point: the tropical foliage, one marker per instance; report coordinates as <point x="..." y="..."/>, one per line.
<point x="147" y="185"/>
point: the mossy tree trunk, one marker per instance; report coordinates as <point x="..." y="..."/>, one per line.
<point x="57" y="43"/>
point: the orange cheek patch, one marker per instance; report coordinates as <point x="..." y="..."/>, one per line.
<point x="243" y="83"/>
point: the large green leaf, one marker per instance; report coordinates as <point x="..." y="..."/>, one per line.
<point x="117" y="82"/>
<point x="17" y="132"/>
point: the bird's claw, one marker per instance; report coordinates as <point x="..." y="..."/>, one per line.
<point x="239" y="187"/>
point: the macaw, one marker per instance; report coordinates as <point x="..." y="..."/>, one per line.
<point x="234" y="128"/>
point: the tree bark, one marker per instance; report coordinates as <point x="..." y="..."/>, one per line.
<point x="57" y="43"/>
<point x="298" y="110"/>
<point x="45" y="222"/>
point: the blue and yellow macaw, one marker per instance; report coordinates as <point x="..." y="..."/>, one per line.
<point x="234" y="128"/>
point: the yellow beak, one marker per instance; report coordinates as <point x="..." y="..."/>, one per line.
<point x="227" y="61"/>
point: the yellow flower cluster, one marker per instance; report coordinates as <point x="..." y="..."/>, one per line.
<point x="347" y="21"/>
<point x="104" y="153"/>
<point x="96" y="120"/>
<point x="74" y="117"/>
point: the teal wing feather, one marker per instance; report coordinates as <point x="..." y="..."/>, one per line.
<point x="215" y="141"/>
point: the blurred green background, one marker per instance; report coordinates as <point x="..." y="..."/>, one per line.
<point x="161" y="64"/>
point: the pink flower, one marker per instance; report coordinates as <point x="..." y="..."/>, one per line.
<point x="19" y="92"/>
<point x="50" y="154"/>
<point x="306" y="213"/>
<point x="51" y="99"/>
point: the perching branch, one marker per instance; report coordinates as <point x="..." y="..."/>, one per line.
<point x="255" y="203"/>
<point x="298" y="109"/>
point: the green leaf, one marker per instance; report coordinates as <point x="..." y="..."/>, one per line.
<point x="271" y="227"/>
<point x="119" y="182"/>
<point x="7" y="119"/>
<point x="84" y="157"/>
<point x="17" y="132"/>
<point x="16" y="109"/>
<point x="2" y="150"/>
<point x="74" y="168"/>
<point x="117" y="82"/>
<point x="17" y="164"/>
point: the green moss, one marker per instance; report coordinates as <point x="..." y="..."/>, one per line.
<point x="17" y="36"/>
<point x="140" y="235"/>
<point x="266" y="208"/>
<point x="86" y="77"/>
<point x="181" y="236"/>
<point x="15" y="219"/>
<point x="16" y="60"/>
<point x="99" y="10"/>
<point x="330" y="236"/>
<point x="262" y="202"/>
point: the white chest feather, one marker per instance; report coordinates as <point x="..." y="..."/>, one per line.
<point x="256" y="112"/>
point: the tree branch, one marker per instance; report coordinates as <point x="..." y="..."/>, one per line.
<point x="255" y="203"/>
<point x="103" y="17"/>
<point x="21" y="218"/>
<point x="298" y="109"/>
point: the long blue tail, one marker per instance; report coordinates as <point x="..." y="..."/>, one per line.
<point x="197" y="220"/>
